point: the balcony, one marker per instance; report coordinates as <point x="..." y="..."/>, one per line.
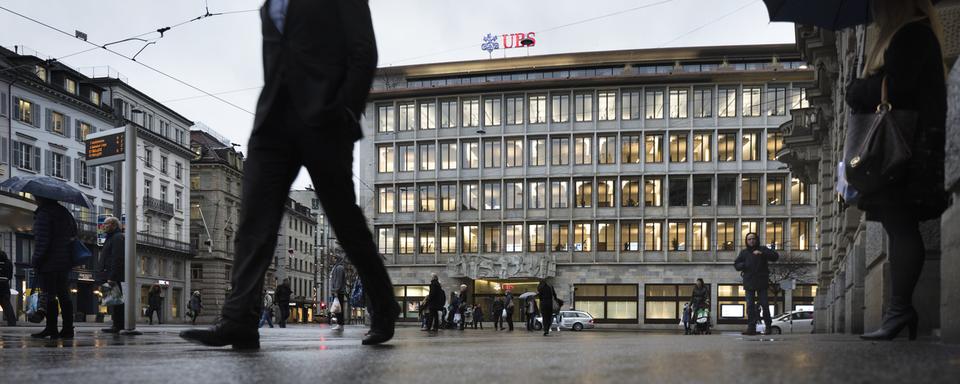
<point x="158" y="206"/>
<point x="802" y="138"/>
<point x="164" y="243"/>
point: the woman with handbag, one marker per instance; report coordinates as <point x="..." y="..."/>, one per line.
<point x="54" y="229"/>
<point x="902" y="90"/>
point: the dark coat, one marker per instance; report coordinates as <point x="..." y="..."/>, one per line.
<point x="754" y="268"/>
<point x="6" y="267"/>
<point x="547" y="296"/>
<point x="497" y="308"/>
<point x="283" y="294"/>
<point x="112" y="257"/>
<point x="701" y="295"/>
<point x="508" y="301"/>
<point x="436" y="298"/>
<point x="324" y="59"/>
<point x="914" y="68"/>
<point x="477" y="314"/>
<point x="53" y="229"/>
<point x="154" y="300"/>
<point x="195" y="303"/>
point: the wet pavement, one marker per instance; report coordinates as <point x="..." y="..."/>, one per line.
<point x="311" y="353"/>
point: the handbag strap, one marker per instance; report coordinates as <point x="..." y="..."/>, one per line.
<point x="884" y="97"/>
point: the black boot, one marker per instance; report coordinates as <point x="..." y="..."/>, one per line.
<point x="898" y="316"/>
<point x="66" y="333"/>
<point x="223" y="333"/>
<point x="382" y="324"/>
<point x="47" y="332"/>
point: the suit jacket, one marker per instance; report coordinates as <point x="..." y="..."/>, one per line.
<point x="112" y="257"/>
<point x="324" y="59"/>
<point x="53" y="229"/>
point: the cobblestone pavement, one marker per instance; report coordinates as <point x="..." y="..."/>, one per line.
<point x="317" y="354"/>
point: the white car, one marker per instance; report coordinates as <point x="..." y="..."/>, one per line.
<point x="575" y="320"/>
<point x="793" y="322"/>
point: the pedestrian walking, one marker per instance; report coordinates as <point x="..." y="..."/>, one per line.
<point x="53" y="230"/>
<point x="508" y="305"/>
<point x="687" y="312"/>
<point x="266" y="313"/>
<point x="498" y="314"/>
<point x="547" y="298"/>
<point x="6" y="274"/>
<point x="154" y="304"/>
<point x="283" y="294"/>
<point x="112" y="262"/>
<point x="531" y="311"/>
<point x="308" y="114"/>
<point x="753" y="266"/>
<point x="196" y="305"/>
<point x="462" y="306"/>
<point x="436" y="301"/>
<point x="477" y="316"/>
<point x="907" y="57"/>
<point x="338" y="285"/>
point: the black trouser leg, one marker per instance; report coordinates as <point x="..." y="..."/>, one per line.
<point x="509" y="318"/>
<point x="906" y="253"/>
<point x="339" y="315"/>
<point x="764" y="299"/>
<point x="57" y="290"/>
<point x="117" y="314"/>
<point x="546" y="312"/>
<point x="284" y="314"/>
<point x="9" y="313"/>
<point x="433" y="322"/>
<point x="752" y="314"/>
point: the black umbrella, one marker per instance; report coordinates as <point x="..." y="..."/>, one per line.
<point x="44" y="186"/>
<point x="829" y="14"/>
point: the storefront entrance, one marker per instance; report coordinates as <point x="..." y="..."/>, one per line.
<point x="486" y="290"/>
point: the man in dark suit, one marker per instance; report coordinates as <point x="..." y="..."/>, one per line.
<point x="319" y="60"/>
<point x="111" y="267"/>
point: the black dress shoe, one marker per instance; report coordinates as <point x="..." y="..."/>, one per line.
<point x="66" y="333"/>
<point x="223" y="333"/>
<point x="110" y="330"/>
<point x="53" y="334"/>
<point x="383" y="323"/>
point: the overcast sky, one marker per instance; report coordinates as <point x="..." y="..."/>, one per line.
<point x="222" y="53"/>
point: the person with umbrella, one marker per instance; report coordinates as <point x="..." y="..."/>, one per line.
<point x="54" y="228"/>
<point x="530" y="308"/>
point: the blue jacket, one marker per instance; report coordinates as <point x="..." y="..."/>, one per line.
<point x="53" y="229"/>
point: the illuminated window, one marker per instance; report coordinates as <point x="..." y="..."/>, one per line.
<point x="774" y="144"/>
<point x="385" y="158"/>
<point x="25" y="111"/>
<point x="774" y="234"/>
<point x="471" y="238"/>
<point x="748" y="226"/>
<point x="727" y="146"/>
<point x="751" y="101"/>
<point x="750" y="146"/>
<point x="652" y="236"/>
<point x="798" y="192"/>
<point x="776" y="189"/>
<point x="653" y="148"/>
<point x="406" y="240"/>
<point x="800" y="235"/>
<point x="448" y="197"/>
<point x="70" y="86"/>
<point x="448" y="238"/>
<point x="386" y="201"/>
<point x="701" y="235"/>
<point x="677" y="235"/>
<point x="583" y="150"/>
<point x="406" y="198"/>
<point x="428" y="239"/>
<point x="605" y="193"/>
<point x="678" y="148"/>
<point x="385" y="118"/>
<point x="58" y="122"/>
<point x="630" y="192"/>
<point x="560" y="237"/>
<point x="653" y="191"/>
<point x="537" y="237"/>
<point x="492" y="237"/>
<point x="584" y="193"/>
<point x="385" y="240"/>
<point x="428" y="197"/>
<point x="606" y="236"/>
<point x="630" y="149"/>
<point x="428" y="157"/>
<point x="514" y="237"/>
<point x="607" y="149"/>
<point x="582" y="237"/>
<point x="726" y="235"/>
<point x="408" y="117"/>
<point x="630" y="235"/>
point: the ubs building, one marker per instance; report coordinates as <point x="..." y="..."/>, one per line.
<point x="620" y="177"/>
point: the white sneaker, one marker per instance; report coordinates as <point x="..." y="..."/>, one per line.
<point x="336" y="327"/>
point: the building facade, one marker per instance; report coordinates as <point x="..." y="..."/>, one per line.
<point x="324" y="243"/>
<point x="216" y="173"/>
<point x="620" y="177"/>
<point x="296" y="247"/>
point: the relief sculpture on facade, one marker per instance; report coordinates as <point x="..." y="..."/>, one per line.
<point x="501" y="266"/>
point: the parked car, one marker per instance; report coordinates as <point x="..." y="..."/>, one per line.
<point x="793" y="322"/>
<point x="575" y="320"/>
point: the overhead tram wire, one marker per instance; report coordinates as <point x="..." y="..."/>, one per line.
<point x="711" y="22"/>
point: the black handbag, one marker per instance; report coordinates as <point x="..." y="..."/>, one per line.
<point x="877" y="145"/>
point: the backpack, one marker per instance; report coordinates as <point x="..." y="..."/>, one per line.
<point x="356" y="296"/>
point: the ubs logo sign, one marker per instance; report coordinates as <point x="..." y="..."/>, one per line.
<point x="493" y="42"/>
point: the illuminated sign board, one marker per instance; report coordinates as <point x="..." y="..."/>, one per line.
<point x="105" y="147"/>
<point x="493" y="42"/>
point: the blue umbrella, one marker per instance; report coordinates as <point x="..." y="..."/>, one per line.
<point x="44" y="186"/>
<point x="829" y="14"/>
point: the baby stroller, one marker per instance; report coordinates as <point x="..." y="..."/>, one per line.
<point x="701" y="321"/>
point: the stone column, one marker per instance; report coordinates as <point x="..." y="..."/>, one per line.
<point x="950" y="221"/>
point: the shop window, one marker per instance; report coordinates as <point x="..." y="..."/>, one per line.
<point x="664" y="302"/>
<point x="610" y="303"/>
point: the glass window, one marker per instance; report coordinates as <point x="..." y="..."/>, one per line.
<point x="406" y="198"/>
<point x="492" y="237"/>
<point x="751" y="101"/>
<point x="428" y="240"/>
<point x="776" y="189"/>
<point x="750" y="190"/>
<point x="798" y="98"/>
<point x="582" y="238"/>
<point x="386" y="201"/>
<point x="727" y="102"/>
<point x="774" y="143"/>
<point x="774" y="234"/>
<point x="428" y="115"/>
<point x="538" y="152"/>
<point x="448" y="238"/>
<point x="448" y="156"/>
<point x="653" y="191"/>
<point x="583" y="150"/>
<point x="538" y="109"/>
<point x="727" y="146"/>
<point x="514" y="152"/>
<point x="605" y="193"/>
<point x="727" y="190"/>
<point x="471" y="154"/>
<point x="750" y="146"/>
<point x="583" y="103"/>
<point x="677" y="235"/>
<point x="702" y="102"/>
<point x="407" y="156"/>
<point x="428" y="157"/>
<point x="630" y="149"/>
<point x="448" y="197"/>
<point x="800" y="235"/>
<point x="471" y="239"/>
<point x="798" y="192"/>
<point x="630" y="235"/>
<point x="606" y="105"/>
<point x="630" y="105"/>
<point x="654" y="148"/>
<point x="607" y="149"/>
<point x="654" y="104"/>
<point x="561" y="108"/>
<point x="560" y="236"/>
<point x="630" y="192"/>
<point x="491" y="153"/>
<point x="559" y="194"/>
<point x="385" y="118"/>
<point x="428" y="197"/>
<point x="584" y="193"/>
<point x="471" y="197"/>
<point x="560" y="150"/>
<point x="408" y="116"/>
<point x="513" y="194"/>
<point x="678" y="103"/>
<point x="678" y="148"/>
<point x="471" y="112"/>
<point x="678" y="191"/>
<point x="702" y="190"/>
<point x="748" y="226"/>
<point x="26" y="112"/>
<point x="777" y="101"/>
<point x="514" y="237"/>
<point x="405" y="240"/>
<point x="385" y="158"/>
<point x="538" y="194"/>
<point x="701" y="235"/>
<point x="385" y="240"/>
<point x="702" y="145"/>
<point x="491" y="111"/>
<point x="652" y="236"/>
<point x="537" y="234"/>
<point x="491" y="196"/>
<point x="606" y="236"/>
<point x="515" y="110"/>
<point x="726" y="235"/>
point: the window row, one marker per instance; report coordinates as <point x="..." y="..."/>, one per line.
<point x="585" y="106"/>
<point x="560" y="150"/>
<point x="603" y="192"/>
<point x="27" y="157"/>
<point x="601" y="236"/>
